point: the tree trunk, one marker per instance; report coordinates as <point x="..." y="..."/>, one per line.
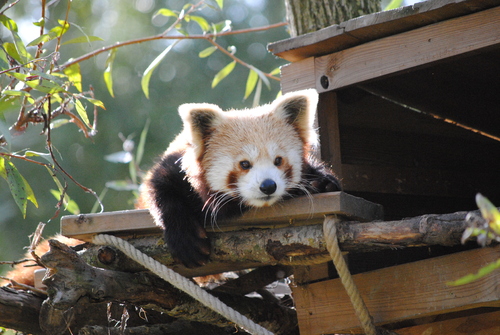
<point x="308" y="16"/>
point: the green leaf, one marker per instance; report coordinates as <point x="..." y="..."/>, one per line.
<point x="61" y="29"/>
<point x="58" y="123"/>
<point x="8" y="23"/>
<point x="220" y="3"/>
<point x="276" y="71"/>
<point x="20" y="189"/>
<point x="70" y="205"/>
<point x="142" y="143"/>
<point x="83" y="39"/>
<point x="263" y="77"/>
<point x="149" y="71"/>
<point x="258" y="92"/>
<point x="474" y="276"/>
<point x="42" y="39"/>
<point x="21" y="49"/>
<point x="82" y="112"/>
<point x="165" y="12"/>
<point x="108" y="78"/>
<point x="12" y="51"/>
<point x="74" y="75"/>
<point x="96" y="102"/>
<point x="207" y="52"/>
<point x="394" y="4"/>
<point x="251" y="82"/>
<point x="22" y="53"/>
<point x="201" y="22"/>
<point x="122" y="185"/>
<point x="489" y="212"/>
<point x="16" y="93"/>
<point x="221" y="26"/>
<point x="45" y="86"/>
<point x="3" y="173"/>
<point x="223" y="73"/>
<point x="43" y="155"/>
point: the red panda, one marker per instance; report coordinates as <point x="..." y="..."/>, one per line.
<point x="224" y="163"/>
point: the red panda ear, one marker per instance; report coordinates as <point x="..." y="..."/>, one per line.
<point x="299" y="109"/>
<point x="199" y="121"/>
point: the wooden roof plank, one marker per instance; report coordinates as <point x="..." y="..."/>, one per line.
<point x="409" y="50"/>
<point x="374" y="26"/>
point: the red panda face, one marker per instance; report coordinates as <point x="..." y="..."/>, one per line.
<point x="254" y="155"/>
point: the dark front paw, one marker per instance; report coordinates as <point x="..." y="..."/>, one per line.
<point x="189" y="246"/>
<point x="327" y="183"/>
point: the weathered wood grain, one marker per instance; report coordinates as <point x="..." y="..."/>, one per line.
<point x="374" y="26"/>
<point x="409" y="50"/>
<point x="297" y="211"/>
<point x="401" y="292"/>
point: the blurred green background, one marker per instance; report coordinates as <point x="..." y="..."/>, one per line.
<point x="181" y="77"/>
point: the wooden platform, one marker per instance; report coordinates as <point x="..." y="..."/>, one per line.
<point x="298" y="211"/>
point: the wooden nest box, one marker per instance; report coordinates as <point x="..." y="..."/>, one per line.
<point x="409" y="117"/>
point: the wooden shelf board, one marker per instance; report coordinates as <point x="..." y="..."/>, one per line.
<point x="297" y="211"/>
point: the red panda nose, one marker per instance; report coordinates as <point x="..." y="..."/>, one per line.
<point x="268" y="186"/>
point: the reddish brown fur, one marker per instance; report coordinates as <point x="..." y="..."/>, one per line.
<point x="23" y="273"/>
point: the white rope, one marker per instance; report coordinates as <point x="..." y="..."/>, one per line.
<point x="181" y="283"/>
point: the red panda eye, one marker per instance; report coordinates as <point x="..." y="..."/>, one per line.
<point x="245" y="165"/>
<point x="278" y="161"/>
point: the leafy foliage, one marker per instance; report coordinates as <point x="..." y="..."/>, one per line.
<point x="486" y="229"/>
<point x="52" y="94"/>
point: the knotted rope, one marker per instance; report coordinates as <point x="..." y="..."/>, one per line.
<point x="181" y="283"/>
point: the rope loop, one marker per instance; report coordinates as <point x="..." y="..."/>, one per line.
<point x="181" y="283"/>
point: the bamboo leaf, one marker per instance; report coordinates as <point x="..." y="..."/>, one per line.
<point x="207" y="52"/>
<point x="251" y="82"/>
<point x="223" y="73"/>
<point x="108" y="78"/>
<point x="74" y="75"/>
<point x="149" y="71"/>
